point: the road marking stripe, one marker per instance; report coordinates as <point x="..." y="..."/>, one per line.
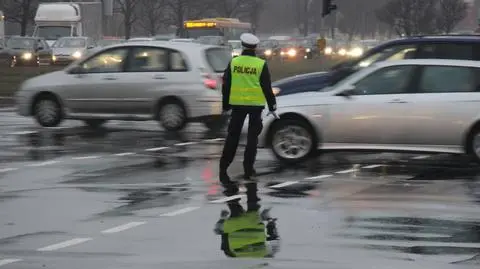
<point x="421" y="157"/>
<point x="124" y="154"/>
<point x="86" y="157"/>
<point x="372" y="166"/>
<point x="346" y="171"/>
<point x="7" y="169"/>
<point x="23" y="132"/>
<point x="123" y="227"/>
<point x="186" y="143"/>
<point x="318" y="177"/>
<point x="8" y="261"/>
<point x="156" y="149"/>
<point x="42" y="163"/>
<point x="226" y="199"/>
<point x="214" y="140"/>
<point x="65" y="244"/>
<point x="284" y="184"/>
<point x="180" y="211"/>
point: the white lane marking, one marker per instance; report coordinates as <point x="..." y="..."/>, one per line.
<point x="3" y="170"/>
<point x="372" y="166"/>
<point x="214" y="140"/>
<point x="23" y="132"/>
<point x="86" y="157"/>
<point x="65" y="244"/>
<point x="421" y="157"/>
<point x="8" y="261"/>
<point x="226" y="199"/>
<point x="346" y="171"/>
<point x="180" y="211"/>
<point x="42" y="163"/>
<point x="156" y="149"/>
<point x="124" y="154"/>
<point x="123" y="227"/>
<point x="318" y="177"/>
<point x="284" y="184"/>
<point x="186" y="143"/>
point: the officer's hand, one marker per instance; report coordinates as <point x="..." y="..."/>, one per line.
<point x="274" y="114"/>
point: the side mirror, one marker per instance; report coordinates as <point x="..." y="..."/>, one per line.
<point x="77" y="70"/>
<point x="91" y="47"/>
<point x="349" y="91"/>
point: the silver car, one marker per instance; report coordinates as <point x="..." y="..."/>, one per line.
<point x="174" y="83"/>
<point x="406" y="105"/>
<point x="68" y="49"/>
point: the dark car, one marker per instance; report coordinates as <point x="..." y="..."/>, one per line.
<point x="301" y="83"/>
<point x="25" y="51"/>
<point x="268" y="49"/>
<point x="293" y="50"/>
<point x="455" y="47"/>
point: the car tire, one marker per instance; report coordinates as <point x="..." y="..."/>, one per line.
<point x="216" y="123"/>
<point x="94" y="123"/>
<point x="172" y="115"/>
<point x="283" y="145"/>
<point x="47" y="111"/>
<point x="473" y="144"/>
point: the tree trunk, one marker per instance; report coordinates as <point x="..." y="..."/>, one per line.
<point x="25" y="17"/>
<point x="127" y="25"/>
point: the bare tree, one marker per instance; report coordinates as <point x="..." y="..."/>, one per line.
<point x="128" y="9"/>
<point x="181" y="10"/>
<point x="352" y="17"/>
<point x="450" y="13"/>
<point x="253" y="8"/>
<point x="230" y="8"/>
<point x="153" y="12"/>
<point x="19" y="11"/>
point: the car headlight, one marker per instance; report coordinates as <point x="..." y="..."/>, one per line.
<point x="292" y="53"/>
<point x="328" y="50"/>
<point x="342" y="52"/>
<point x="308" y="50"/>
<point x="77" y="54"/>
<point x="27" y="56"/>
<point x="235" y="53"/>
<point x="356" y="52"/>
<point x="54" y="58"/>
<point x="268" y="52"/>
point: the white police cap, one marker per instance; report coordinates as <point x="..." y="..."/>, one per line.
<point x="249" y="39"/>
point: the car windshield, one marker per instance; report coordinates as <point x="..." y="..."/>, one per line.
<point x="218" y="59"/>
<point x="20" y="43"/>
<point x="236" y="44"/>
<point x="266" y="44"/>
<point x="70" y="43"/>
<point x="53" y="32"/>
<point x="108" y="42"/>
<point x="288" y="43"/>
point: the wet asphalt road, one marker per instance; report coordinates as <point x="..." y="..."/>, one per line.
<point x="132" y="196"/>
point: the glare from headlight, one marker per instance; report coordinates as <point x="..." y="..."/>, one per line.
<point x="328" y="50"/>
<point x="268" y="52"/>
<point x="292" y="53"/>
<point x="77" y="54"/>
<point x="342" y="52"/>
<point x="27" y="56"/>
<point x="308" y="50"/>
<point x="234" y="53"/>
<point x="356" y="52"/>
<point x="54" y="58"/>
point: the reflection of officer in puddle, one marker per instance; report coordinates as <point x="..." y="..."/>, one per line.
<point x="249" y="234"/>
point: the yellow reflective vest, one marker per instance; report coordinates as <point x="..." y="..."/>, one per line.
<point x="245" y="87"/>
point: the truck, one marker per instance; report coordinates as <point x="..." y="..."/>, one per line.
<point x="63" y="19"/>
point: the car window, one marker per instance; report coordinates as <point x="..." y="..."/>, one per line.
<point x="447" y="51"/>
<point x="388" y="80"/>
<point x="148" y="60"/>
<point x="177" y="62"/>
<point x="438" y="79"/>
<point x="110" y="61"/>
<point x="304" y="85"/>
<point x="393" y="53"/>
<point x="218" y="59"/>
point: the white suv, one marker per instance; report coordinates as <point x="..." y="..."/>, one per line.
<point x="174" y="83"/>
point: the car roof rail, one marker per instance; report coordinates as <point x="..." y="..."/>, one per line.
<point x="446" y="35"/>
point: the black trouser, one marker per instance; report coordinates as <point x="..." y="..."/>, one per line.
<point x="252" y="202"/>
<point x="231" y="143"/>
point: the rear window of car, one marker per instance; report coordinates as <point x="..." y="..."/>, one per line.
<point x="218" y="59"/>
<point x="298" y="86"/>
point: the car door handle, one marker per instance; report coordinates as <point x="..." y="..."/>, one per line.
<point x="158" y="77"/>
<point x="109" y="78"/>
<point x="398" y="101"/>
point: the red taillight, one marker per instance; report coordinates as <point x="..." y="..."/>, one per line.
<point x="210" y="83"/>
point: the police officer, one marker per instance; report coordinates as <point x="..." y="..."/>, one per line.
<point x="246" y="89"/>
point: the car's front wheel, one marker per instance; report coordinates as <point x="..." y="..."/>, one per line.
<point x="47" y="111"/>
<point x="172" y="115"/>
<point x="292" y="141"/>
<point x="473" y="144"/>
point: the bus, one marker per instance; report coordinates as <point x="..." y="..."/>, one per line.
<point x="228" y="28"/>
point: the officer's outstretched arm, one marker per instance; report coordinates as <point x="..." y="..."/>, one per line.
<point x="266" y="83"/>
<point x="227" y="82"/>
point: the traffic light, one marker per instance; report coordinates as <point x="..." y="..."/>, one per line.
<point x="328" y="7"/>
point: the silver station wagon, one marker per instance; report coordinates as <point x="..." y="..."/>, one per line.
<point x="406" y="105"/>
<point x="173" y="83"/>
